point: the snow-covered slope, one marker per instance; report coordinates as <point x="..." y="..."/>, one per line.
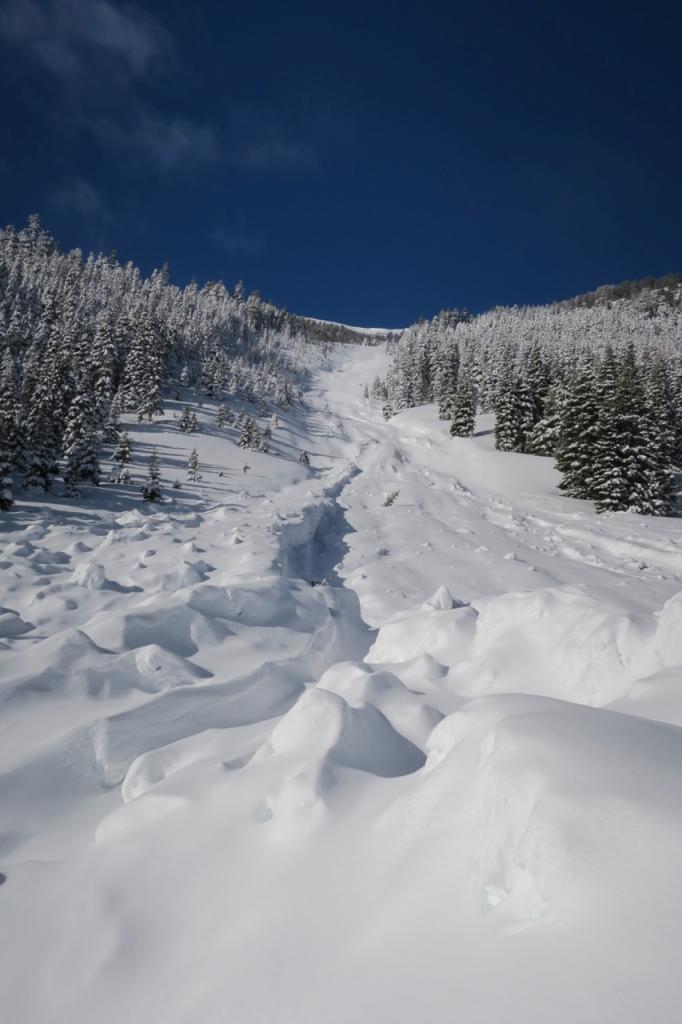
<point x="446" y="785"/>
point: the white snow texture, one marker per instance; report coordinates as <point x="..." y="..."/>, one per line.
<point x="273" y="752"/>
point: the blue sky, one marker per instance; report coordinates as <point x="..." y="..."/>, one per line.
<point x="370" y="163"/>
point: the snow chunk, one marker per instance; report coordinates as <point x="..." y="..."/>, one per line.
<point x="90" y="575"/>
<point x="12" y="624"/>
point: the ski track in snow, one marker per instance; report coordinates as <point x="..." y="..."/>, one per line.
<point x="276" y="752"/>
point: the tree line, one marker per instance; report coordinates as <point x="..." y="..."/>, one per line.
<point x="596" y="385"/>
<point x="84" y="340"/>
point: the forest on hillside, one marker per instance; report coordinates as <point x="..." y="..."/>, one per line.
<point x="85" y="339"/>
<point x="595" y="382"/>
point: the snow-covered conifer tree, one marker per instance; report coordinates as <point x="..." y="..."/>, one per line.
<point x="464" y="407"/>
<point x="446" y="387"/>
<point x="578" y="432"/>
<point x="247" y="432"/>
<point x="151" y="488"/>
<point x="80" y="442"/>
<point x="193" y="473"/>
<point x="123" y="455"/>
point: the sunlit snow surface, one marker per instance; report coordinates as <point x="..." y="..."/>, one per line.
<point x="447" y="786"/>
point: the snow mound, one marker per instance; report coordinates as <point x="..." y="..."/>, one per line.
<point x="90" y="575"/>
<point x="560" y="642"/>
<point x="12" y="624"/>
<point x="176" y="627"/>
<point x="569" y="808"/>
<point x="323" y="726"/>
<point x="360" y="685"/>
<point x="186" y="574"/>
<point x="669" y="631"/>
<point x="435" y="628"/>
<point x="272" y="601"/>
<point x="69" y="663"/>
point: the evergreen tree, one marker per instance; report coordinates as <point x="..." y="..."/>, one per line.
<point x="9" y="412"/>
<point x="221" y="416"/>
<point x="508" y="434"/>
<point x="193" y="473"/>
<point x="143" y="370"/>
<point x="123" y="456"/>
<point x="464" y="407"/>
<point x="112" y="424"/>
<point x="609" y="483"/>
<point x="447" y="383"/>
<point x="537" y="378"/>
<point x="102" y="362"/>
<point x="633" y="473"/>
<point x="41" y="462"/>
<point x="247" y="432"/>
<point x="6" y="496"/>
<point x="525" y="409"/>
<point x="258" y="442"/>
<point x="188" y="422"/>
<point x="659" y="430"/>
<point x="631" y="435"/>
<point x="151" y="488"/>
<point x="543" y="439"/>
<point x="578" y="432"/>
<point x="80" y="443"/>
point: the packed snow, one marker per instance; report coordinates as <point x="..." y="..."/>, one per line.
<point x="273" y="751"/>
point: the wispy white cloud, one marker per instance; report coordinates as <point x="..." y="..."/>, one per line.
<point x="165" y="143"/>
<point x="77" y="195"/>
<point x="103" y="52"/>
<point x="71" y="38"/>
<point x="238" y="238"/>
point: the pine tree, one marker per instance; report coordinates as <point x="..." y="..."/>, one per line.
<point x="464" y="407"/>
<point x="9" y="412"/>
<point x="525" y="411"/>
<point x="188" y="422"/>
<point x="80" y="443"/>
<point x="633" y="471"/>
<point x="609" y="486"/>
<point x="41" y="461"/>
<point x="543" y="439"/>
<point x="221" y="416"/>
<point x="508" y="435"/>
<point x="247" y="433"/>
<point x="578" y="432"/>
<point x="537" y="377"/>
<point x="631" y="436"/>
<point x="447" y="383"/>
<point x="258" y="442"/>
<point x="112" y="424"/>
<point x="123" y="456"/>
<point x="143" y="370"/>
<point x="6" y="496"/>
<point x="102" y="361"/>
<point x="193" y="473"/>
<point x="151" y="488"/>
<point x="659" y="430"/>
